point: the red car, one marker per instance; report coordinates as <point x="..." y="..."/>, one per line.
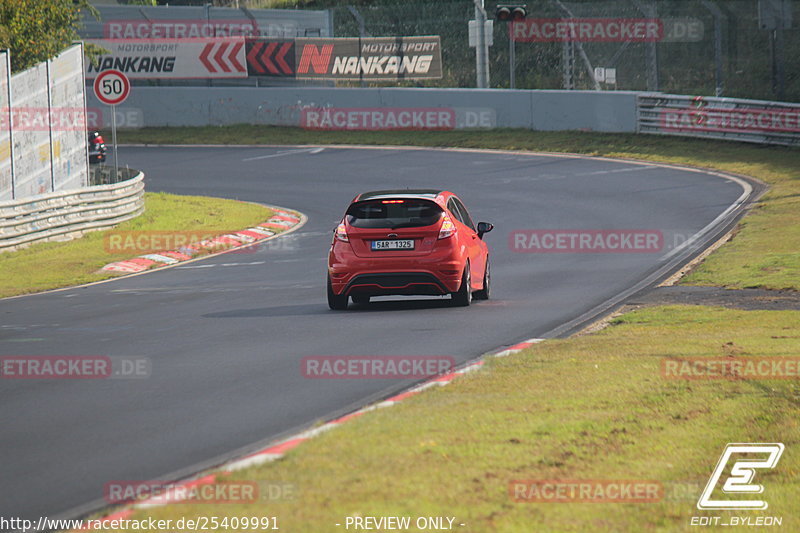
<point x="408" y="242"/>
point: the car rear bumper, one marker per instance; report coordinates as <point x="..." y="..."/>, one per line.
<point x="385" y="283"/>
<point x="389" y="283"/>
<point x="437" y="273"/>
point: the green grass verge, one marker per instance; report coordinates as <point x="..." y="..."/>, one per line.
<point x="52" y="265"/>
<point x="592" y="407"/>
<point x="765" y="253"/>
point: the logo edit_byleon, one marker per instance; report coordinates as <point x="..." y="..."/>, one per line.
<point x="740" y="479"/>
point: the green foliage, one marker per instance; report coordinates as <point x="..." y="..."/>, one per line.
<point x="36" y="30"/>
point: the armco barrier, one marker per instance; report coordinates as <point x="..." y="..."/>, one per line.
<point x="732" y="119"/>
<point x="65" y="214"/>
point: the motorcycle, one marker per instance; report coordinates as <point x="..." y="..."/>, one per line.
<point x="97" y="148"/>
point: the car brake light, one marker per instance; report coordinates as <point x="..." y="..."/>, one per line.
<point x="448" y="229"/>
<point x="341" y="233"/>
<point x="393" y="201"/>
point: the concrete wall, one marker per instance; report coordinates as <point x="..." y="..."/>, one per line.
<point x="488" y="108"/>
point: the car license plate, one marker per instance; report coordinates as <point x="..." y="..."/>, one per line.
<point x="396" y="244"/>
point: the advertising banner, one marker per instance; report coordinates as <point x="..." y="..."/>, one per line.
<point x="373" y="58"/>
<point x="32" y="171"/>
<point x="68" y="120"/>
<point x="172" y="58"/>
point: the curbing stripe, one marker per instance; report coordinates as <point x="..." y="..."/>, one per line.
<point x="160" y="501"/>
<point x="159" y="258"/>
<point x="281" y="219"/>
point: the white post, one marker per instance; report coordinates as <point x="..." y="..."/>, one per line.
<point x="114" y="140"/>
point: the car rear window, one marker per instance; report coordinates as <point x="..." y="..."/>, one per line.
<point x="393" y="213"/>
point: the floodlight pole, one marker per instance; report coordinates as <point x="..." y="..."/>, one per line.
<point x="481" y="48"/>
<point x="512" y="57"/>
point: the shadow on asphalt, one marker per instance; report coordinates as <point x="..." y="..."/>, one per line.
<point x="322" y="308"/>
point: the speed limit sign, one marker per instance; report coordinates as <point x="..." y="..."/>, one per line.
<point x="112" y="87"/>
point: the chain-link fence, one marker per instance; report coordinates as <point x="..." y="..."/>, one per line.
<point x="737" y="48"/>
<point x="678" y="46"/>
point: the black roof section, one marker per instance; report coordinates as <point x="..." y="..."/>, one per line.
<point x="406" y="193"/>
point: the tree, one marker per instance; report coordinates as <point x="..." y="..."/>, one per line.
<point x="36" y="30"/>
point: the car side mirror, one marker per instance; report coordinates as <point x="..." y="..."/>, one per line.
<point x="484" y="227"/>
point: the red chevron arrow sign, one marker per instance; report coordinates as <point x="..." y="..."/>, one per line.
<point x="270" y="58"/>
<point x="173" y="58"/>
<point x="222" y="57"/>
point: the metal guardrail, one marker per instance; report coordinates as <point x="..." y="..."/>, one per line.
<point x="732" y="119"/>
<point x="104" y="174"/>
<point x="66" y="214"/>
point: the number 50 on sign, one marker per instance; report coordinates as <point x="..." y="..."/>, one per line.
<point x="112" y="87"/>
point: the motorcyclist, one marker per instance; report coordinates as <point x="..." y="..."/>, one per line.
<point x="97" y="148"/>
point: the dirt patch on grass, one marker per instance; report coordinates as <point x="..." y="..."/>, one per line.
<point x="746" y="299"/>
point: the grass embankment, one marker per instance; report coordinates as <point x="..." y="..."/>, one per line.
<point x="765" y="253"/>
<point x="594" y="407"/>
<point x="52" y="265"/>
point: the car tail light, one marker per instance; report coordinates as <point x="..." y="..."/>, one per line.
<point x="448" y="229"/>
<point x="341" y="233"/>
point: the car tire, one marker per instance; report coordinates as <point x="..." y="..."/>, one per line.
<point x="483" y="294"/>
<point x="463" y="297"/>
<point x="335" y="301"/>
<point x="361" y="299"/>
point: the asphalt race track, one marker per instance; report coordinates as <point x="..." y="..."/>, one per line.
<point x="225" y="335"/>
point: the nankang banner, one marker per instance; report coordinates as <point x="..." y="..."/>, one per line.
<point x="172" y="58"/>
<point x="369" y="58"/>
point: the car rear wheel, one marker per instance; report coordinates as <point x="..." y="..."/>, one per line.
<point x="335" y="301"/>
<point x="463" y="297"/>
<point x="483" y="294"/>
<point x="361" y="299"/>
